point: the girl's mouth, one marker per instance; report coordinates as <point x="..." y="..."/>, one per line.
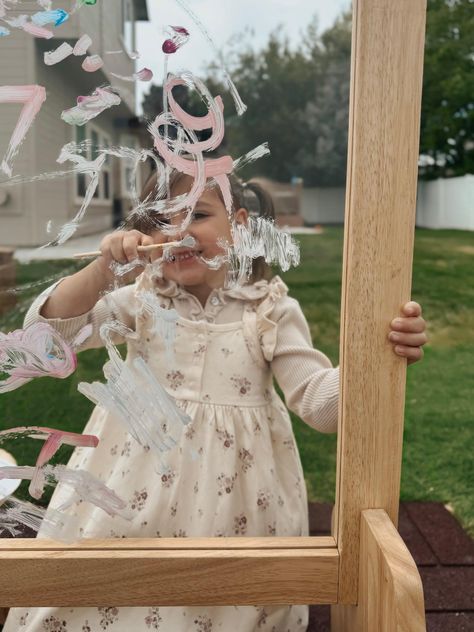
<point x="182" y="257"/>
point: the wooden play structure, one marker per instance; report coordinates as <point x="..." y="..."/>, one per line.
<point x="363" y="570"/>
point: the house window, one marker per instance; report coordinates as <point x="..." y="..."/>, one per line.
<point x="128" y="25"/>
<point x="81" y="184"/>
<point x="127" y="140"/>
<point x="98" y="140"/>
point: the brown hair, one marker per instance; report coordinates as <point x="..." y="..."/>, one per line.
<point x="249" y="195"/>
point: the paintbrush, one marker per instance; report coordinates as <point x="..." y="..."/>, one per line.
<point x="187" y="242"/>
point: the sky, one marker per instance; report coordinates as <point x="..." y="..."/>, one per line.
<point x="223" y="19"/>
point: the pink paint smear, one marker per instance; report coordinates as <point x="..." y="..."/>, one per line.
<point x="171" y="150"/>
<point x="54" y="440"/>
<point x="92" y="63"/>
<point x="34" y="352"/>
<point x="32" y="97"/>
<point x="178" y="37"/>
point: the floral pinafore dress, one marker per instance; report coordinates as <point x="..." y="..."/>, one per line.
<point x="235" y="472"/>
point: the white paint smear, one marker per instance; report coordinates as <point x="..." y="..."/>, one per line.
<point x="88" y="107"/>
<point x="87" y="487"/>
<point x="135" y="397"/>
<point x="82" y="45"/>
<point x="58" y="54"/>
<point x="54" y="524"/>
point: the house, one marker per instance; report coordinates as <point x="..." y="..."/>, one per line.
<point x="26" y="209"/>
<point x="286" y="200"/>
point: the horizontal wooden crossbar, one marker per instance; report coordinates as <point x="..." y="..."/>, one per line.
<point x="33" y="544"/>
<point x="166" y="573"/>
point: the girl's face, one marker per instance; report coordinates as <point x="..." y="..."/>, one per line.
<point x="209" y="227"/>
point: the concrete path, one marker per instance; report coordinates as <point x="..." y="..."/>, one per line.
<point x="64" y="251"/>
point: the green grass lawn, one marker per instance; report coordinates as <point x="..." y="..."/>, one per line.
<point x="437" y="456"/>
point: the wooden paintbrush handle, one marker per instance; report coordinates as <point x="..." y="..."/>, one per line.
<point x="97" y="253"/>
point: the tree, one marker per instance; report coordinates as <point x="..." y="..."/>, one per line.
<point x="298" y="101"/>
<point x="278" y="84"/>
<point x="447" y="123"/>
<point x="322" y="157"/>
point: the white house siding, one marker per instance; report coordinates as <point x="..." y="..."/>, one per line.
<point x="14" y="220"/>
<point x="23" y="219"/>
<point x="103" y="23"/>
<point x="57" y="197"/>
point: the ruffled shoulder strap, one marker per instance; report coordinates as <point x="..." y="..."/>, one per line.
<point x="266" y="325"/>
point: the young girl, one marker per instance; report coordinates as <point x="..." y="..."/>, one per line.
<point x="247" y="478"/>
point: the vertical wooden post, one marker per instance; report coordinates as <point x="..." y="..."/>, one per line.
<point x="390" y="589"/>
<point x="386" y="81"/>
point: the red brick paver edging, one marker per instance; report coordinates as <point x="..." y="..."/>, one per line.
<point x="444" y="554"/>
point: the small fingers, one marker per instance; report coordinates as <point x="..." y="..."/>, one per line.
<point x="412" y="309"/>
<point x="407" y="339"/>
<point x="117" y="252"/>
<point x="409" y="325"/>
<point x="130" y="244"/>
<point x="413" y="354"/>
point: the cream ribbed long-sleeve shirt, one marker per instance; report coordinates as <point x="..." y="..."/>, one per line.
<point x="309" y="382"/>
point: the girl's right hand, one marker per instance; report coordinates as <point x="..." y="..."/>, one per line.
<point x="121" y="247"/>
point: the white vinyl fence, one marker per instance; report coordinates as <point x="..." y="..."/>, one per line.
<point x="446" y="203"/>
<point x="443" y="203"/>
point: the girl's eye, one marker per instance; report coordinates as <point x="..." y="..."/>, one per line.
<point x="199" y="215"/>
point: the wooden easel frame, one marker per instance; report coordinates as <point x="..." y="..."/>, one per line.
<point x="365" y="561"/>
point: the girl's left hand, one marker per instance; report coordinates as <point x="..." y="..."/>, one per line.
<point x="408" y="333"/>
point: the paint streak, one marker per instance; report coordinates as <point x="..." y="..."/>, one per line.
<point x="145" y="74"/>
<point x="5" y="6"/>
<point x="92" y="63"/>
<point x="56" y="17"/>
<point x="141" y="209"/>
<point x="87" y="487"/>
<point x="134" y="396"/>
<point x="53" y="524"/>
<point x="133" y="54"/>
<point x="239" y="104"/>
<point x="88" y="107"/>
<point x="58" y="54"/>
<point x="4" y="31"/>
<point x="187" y="143"/>
<point x="32" y="97"/>
<point x="178" y="38"/>
<point x="54" y="439"/>
<point x="37" y="31"/>
<point x="82" y="165"/>
<point x="122" y="269"/>
<point x="36" y="351"/>
<point x="17" y="22"/>
<point x="251" y="156"/>
<point x="74" y="152"/>
<point x="82" y="45"/>
<point x="259" y="237"/>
